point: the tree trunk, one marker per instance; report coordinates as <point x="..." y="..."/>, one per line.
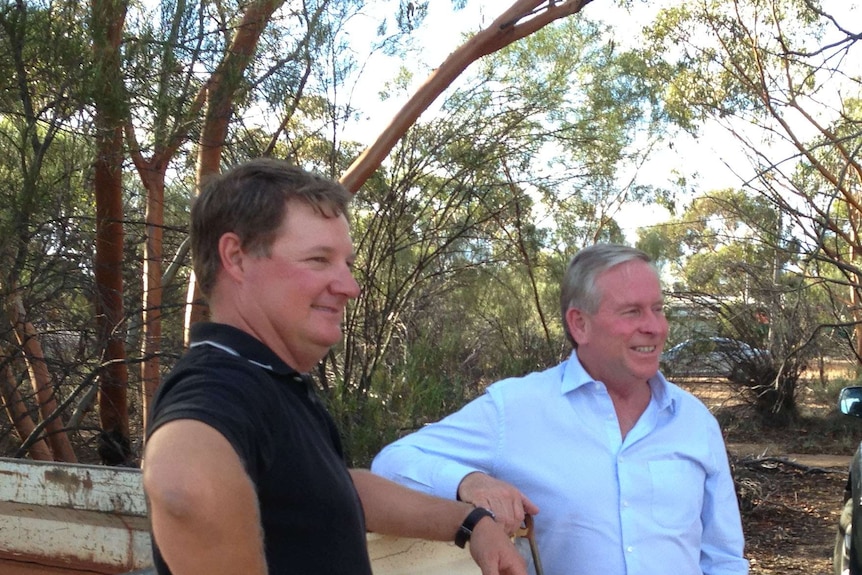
<point x="16" y="409"/>
<point x="220" y="93"/>
<point x="32" y="352"/>
<point x="854" y="287"/>
<point x="152" y="174"/>
<point x="115" y="447"/>
<point x="108" y="21"/>
<point x="154" y="182"/>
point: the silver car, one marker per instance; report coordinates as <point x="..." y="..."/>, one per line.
<point x="713" y="357"/>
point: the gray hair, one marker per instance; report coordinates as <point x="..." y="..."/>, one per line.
<point x="579" y="283"/>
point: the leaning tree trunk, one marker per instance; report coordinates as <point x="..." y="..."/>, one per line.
<point x="521" y="19"/>
<point x="18" y="414"/>
<point x="855" y="288"/>
<point x="31" y="350"/>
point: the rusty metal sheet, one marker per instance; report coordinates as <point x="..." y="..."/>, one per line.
<point x="73" y="516"/>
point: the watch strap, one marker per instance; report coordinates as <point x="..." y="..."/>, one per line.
<point x="466" y="529"/>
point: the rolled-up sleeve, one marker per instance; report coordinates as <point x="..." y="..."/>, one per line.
<point x="437" y="457"/>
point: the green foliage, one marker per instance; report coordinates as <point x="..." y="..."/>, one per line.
<point x="592" y="109"/>
<point x="449" y="348"/>
<point x="741" y="275"/>
<point x="772" y="71"/>
<point x="463" y="235"/>
<point x="718" y="241"/>
<point x="460" y="286"/>
<point x="43" y="49"/>
<point x="716" y="57"/>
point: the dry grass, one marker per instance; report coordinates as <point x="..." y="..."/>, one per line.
<point x="820" y="428"/>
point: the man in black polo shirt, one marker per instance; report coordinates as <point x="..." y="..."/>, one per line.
<point x="243" y="467"/>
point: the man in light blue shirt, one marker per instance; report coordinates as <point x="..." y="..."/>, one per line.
<point x="626" y="472"/>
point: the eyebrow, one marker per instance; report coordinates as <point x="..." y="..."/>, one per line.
<point x="328" y="250"/>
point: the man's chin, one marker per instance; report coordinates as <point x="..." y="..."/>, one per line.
<point x="330" y="338"/>
<point x="646" y="372"/>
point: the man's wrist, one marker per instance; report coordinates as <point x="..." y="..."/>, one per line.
<point x="466" y="530"/>
<point x="464" y="482"/>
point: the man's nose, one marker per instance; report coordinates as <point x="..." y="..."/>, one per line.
<point x="347" y="284"/>
<point x="655" y="322"/>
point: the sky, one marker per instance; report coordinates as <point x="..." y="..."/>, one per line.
<point x="703" y="160"/>
<point x="442" y="33"/>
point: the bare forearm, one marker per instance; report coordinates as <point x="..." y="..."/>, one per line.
<point x="392" y="509"/>
<point x="396" y="510"/>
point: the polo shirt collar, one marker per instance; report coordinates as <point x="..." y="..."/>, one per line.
<point x="240" y="343"/>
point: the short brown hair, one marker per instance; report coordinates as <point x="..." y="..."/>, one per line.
<point x="251" y="200"/>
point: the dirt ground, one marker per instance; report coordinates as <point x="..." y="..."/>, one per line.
<point x="790" y="484"/>
<point x="790" y="518"/>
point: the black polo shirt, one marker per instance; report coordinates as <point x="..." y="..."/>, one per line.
<point x="311" y="514"/>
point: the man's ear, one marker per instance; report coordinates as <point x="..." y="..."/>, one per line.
<point x="231" y="255"/>
<point x="577" y="322"/>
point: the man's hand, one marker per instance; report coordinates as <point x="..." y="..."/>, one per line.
<point x="393" y="509"/>
<point x="493" y="551"/>
<point x="508" y="504"/>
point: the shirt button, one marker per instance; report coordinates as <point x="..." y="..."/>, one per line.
<point x="625" y="503"/>
<point x="629" y="549"/>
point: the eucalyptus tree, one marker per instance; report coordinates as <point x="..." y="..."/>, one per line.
<point x="782" y="77"/>
<point x="462" y="236"/>
<point x="227" y="81"/>
<point x="43" y="56"/>
<point x="737" y="274"/>
<point x="157" y="82"/>
<point x="185" y="73"/>
<point x="231" y="72"/>
<point x="518" y="21"/>
<point x="109" y="104"/>
<point x="823" y="198"/>
<point x="424" y="233"/>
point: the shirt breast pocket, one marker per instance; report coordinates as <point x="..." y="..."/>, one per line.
<point x="677" y="492"/>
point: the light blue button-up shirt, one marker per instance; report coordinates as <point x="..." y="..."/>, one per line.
<point x="659" y="502"/>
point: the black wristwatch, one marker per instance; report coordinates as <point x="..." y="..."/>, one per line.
<point x="466" y="529"/>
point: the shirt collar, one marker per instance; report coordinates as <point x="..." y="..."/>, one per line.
<point x="574" y="376"/>
<point x="240" y="343"/>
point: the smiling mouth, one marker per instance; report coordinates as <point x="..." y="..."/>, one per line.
<point x="327" y="309"/>
<point x="645" y="348"/>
